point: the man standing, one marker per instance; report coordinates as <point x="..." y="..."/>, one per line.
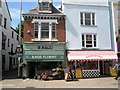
<point x="117" y="66"/>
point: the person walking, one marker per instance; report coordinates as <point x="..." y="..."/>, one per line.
<point x="117" y="66"/>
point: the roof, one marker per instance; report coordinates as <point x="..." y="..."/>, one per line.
<point x="8" y="10"/>
<point x="35" y="11"/>
<point x="91" y="55"/>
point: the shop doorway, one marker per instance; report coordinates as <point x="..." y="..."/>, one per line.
<point x="101" y="68"/>
<point x="10" y="63"/>
<point x="31" y="71"/>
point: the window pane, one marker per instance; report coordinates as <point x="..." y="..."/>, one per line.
<point x="83" y="45"/>
<point x="87" y="19"/>
<point x="88" y="45"/>
<point x="53" y="35"/>
<point x="87" y="15"/>
<point x="36" y="26"/>
<point x="83" y="37"/>
<point x="36" y="30"/>
<point x="45" y="6"/>
<point x="87" y="22"/>
<point x="44" y="30"/>
<point x="94" y="37"/>
<point x="53" y="30"/>
<point x="88" y="37"/>
<point x="94" y="43"/>
<point x="44" y="34"/>
<point x="93" y="18"/>
<point x="45" y="26"/>
<point x="81" y="17"/>
<point x="36" y="34"/>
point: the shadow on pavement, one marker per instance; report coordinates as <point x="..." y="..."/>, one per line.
<point x="12" y="74"/>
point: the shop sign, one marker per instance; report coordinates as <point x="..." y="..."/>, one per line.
<point x="45" y="57"/>
<point x="44" y="46"/>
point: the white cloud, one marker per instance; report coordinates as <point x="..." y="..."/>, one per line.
<point x="58" y="6"/>
<point x="15" y="13"/>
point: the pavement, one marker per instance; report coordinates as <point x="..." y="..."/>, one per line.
<point x="109" y="82"/>
<point x="11" y="81"/>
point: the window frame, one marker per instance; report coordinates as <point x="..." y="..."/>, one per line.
<point x="45" y="30"/>
<point x="42" y="6"/>
<point x="36" y="29"/>
<point x="93" y="43"/>
<point x="3" y="41"/>
<point x="50" y="30"/>
<point x="82" y="18"/>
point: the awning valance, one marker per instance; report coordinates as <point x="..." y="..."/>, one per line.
<point x="91" y="55"/>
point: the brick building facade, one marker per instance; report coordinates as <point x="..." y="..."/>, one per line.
<point x="44" y="46"/>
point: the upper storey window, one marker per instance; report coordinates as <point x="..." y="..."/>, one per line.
<point x="45" y="6"/>
<point x="87" y="18"/>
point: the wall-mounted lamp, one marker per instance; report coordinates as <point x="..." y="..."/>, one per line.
<point x="28" y="31"/>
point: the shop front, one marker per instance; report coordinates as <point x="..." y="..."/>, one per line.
<point x="92" y="63"/>
<point x="41" y="57"/>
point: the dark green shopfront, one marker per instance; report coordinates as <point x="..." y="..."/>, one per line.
<point x="39" y="57"/>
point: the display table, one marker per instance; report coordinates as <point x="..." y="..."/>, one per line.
<point x="91" y="73"/>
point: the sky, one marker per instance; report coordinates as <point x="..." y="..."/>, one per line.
<point x="14" y="8"/>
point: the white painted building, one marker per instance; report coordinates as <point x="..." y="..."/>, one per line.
<point x="90" y="37"/>
<point x="8" y="39"/>
<point x="116" y="15"/>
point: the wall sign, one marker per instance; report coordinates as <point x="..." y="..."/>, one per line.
<point x="44" y="57"/>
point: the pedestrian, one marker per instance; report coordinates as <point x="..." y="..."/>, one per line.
<point x="117" y="67"/>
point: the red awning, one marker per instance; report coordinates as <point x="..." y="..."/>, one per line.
<point x="91" y="55"/>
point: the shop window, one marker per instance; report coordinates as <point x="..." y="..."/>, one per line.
<point x="0" y="20"/>
<point x="87" y="18"/>
<point x="5" y="22"/>
<point x="45" y="6"/>
<point x="89" y="41"/>
<point x="85" y="65"/>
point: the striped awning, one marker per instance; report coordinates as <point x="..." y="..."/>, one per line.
<point x="92" y="55"/>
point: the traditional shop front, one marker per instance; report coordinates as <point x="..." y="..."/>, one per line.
<point x="92" y="63"/>
<point x="43" y="56"/>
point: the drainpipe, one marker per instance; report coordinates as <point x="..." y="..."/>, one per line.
<point x="113" y="20"/>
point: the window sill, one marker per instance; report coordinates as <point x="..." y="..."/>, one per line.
<point x="89" y="25"/>
<point x="90" y="48"/>
<point x="45" y="11"/>
<point x="45" y="40"/>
